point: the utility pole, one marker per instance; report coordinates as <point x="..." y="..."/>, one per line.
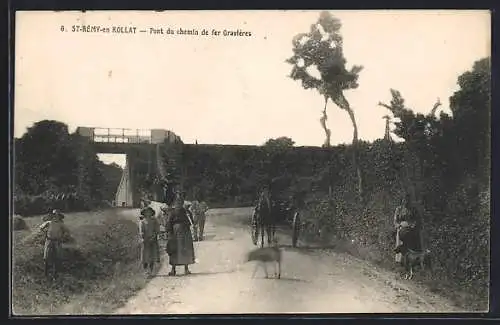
<point x="387" y="135"/>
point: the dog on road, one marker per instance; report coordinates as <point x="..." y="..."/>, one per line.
<point x="412" y="259"/>
<point x="264" y="255"/>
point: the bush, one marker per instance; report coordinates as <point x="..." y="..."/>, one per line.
<point x="458" y="238"/>
<point x="461" y="241"/>
<point x="30" y="205"/>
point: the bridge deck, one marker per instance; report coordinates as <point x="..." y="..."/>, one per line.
<point x="118" y="147"/>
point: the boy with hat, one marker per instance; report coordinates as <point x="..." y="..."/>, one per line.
<point x="149" y="228"/>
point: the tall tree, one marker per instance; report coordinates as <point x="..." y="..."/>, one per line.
<point x="407" y="125"/>
<point x="45" y="151"/>
<point x="410" y="127"/>
<point x="51" y="162"/>
<point x="322" y="48"/>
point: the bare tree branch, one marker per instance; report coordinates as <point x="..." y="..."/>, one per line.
<point x="435" y="107"/>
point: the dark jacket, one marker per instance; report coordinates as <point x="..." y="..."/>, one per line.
<point x="178" y="215"/>
<point x="169" y="194"/>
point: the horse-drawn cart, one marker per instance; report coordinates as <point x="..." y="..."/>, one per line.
<point x="283" y="214"/>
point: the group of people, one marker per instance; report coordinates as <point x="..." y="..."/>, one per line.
<point x="183" y="224"/>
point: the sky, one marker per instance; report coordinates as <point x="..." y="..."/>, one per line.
<point x="234" y="90"/>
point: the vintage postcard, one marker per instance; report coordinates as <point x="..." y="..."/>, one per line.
<point x="241" y="162"/>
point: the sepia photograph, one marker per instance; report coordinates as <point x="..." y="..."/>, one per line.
<point x="251" y="162"/>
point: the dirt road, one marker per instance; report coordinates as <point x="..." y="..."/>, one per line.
<point x="312" y="281"/>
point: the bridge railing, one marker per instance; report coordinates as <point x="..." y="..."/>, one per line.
<point x="102" y="135"/>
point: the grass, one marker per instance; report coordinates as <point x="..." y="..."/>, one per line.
<point x="100" y="271"/>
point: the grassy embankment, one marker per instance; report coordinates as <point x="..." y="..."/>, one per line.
<point x="100" y="270"/>
<point x="460" y="260"/>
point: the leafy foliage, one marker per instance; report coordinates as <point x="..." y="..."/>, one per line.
<point x="55" y="169"/>
<point x="279" y="143"/>
<point x="322" y="49"/>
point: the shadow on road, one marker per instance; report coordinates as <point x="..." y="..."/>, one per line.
<point x="280" y="279"/>
<point x="292" y="280"/>
<point x="307" y="247"/>
<point x="213" y="238"/>
<point x="211" y="273"/>
<point x="181" y="274"/>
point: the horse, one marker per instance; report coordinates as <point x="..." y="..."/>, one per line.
<point x="265" y="220"/>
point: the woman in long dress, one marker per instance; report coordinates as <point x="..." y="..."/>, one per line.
<point x="180" y="248"/>
<point x="407" y="225"/>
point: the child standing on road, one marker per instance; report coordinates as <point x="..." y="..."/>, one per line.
<point x="149" y="229"/>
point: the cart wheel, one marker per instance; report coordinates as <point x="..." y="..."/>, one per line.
<point x="296" y="229"/>
<point x="254" y="229"/>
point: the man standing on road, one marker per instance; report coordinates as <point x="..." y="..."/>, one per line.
<point x="198" y="210"/>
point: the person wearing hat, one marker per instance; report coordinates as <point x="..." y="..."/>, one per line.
<point x="406" y="223"/>
<point x="149" y="228"/>
<point x="180" y="248"/>
<point x="198" y="210"/>
<point x="55" y="233"/>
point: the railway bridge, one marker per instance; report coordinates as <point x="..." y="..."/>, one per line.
<point x="129" y="142"/>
